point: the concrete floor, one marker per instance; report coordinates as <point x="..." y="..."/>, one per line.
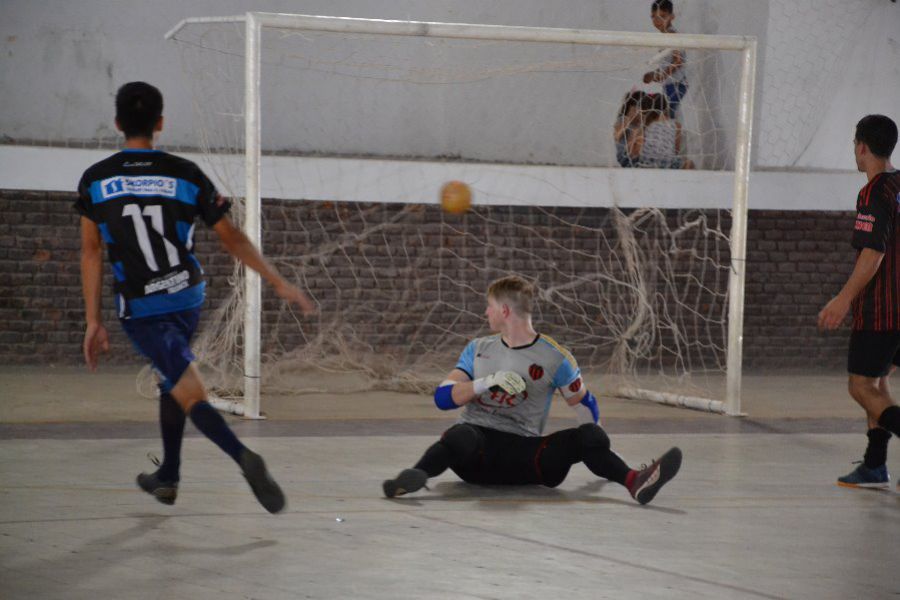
<point x="754" y="512"/>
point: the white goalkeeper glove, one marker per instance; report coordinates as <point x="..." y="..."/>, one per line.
<point x="508" y="381"/>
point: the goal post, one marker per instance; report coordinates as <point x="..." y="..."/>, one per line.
<point x="255" y="23"/>
<point x="738" y="274"/>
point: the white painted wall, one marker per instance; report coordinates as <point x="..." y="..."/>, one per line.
<point x="61" y="62"/>
<point x="371" y="180"/>
<point x="828" y="63"/>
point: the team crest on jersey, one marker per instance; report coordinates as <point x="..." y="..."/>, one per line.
<point x="575" y="386"/>
<point x="148" y="185"/>
<point x="536" y="372"/>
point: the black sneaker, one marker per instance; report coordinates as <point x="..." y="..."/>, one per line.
<point x="164" y="491"/>
<point x="650" y="479"/>
<point x="264" y="487"/>
<point x="408" y="481"/>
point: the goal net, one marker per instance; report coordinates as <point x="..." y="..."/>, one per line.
<point x="348" y="128"/>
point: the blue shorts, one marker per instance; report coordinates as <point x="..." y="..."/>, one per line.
<point x="622" y="155"/>
<point x="675" y="92"/>
<point x="166" y="341"/>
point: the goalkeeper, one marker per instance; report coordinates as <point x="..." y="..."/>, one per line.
<point x="505" y="383"/>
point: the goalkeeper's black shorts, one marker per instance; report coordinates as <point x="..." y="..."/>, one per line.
<point x="509" y="459"/>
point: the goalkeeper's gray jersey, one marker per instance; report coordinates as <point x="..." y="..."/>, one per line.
<point x="543" y="364"/>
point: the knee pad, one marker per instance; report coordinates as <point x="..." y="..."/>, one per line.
<point x="462" y="440"/>
<point x="591" y="435"/>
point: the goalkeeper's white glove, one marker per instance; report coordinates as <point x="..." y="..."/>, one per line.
<point x="508" y="381"/>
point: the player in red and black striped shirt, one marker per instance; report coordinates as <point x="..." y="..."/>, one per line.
<point x="873" y="293"/>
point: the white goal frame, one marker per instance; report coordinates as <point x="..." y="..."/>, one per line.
<point x="256" y="21"/>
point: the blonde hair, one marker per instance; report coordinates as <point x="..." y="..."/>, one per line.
<point x="514" y="291"/>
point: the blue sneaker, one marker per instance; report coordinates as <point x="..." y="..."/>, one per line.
<point x="864" y="477"/>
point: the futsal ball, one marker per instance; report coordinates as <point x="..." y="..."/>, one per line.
<point x="456" y="197"/>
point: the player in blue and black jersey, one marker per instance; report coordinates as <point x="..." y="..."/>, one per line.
<point x="143" y="204"/>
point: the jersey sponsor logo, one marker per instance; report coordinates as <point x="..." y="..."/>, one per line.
<point x="536" y="371"/>
<point x="136" y="164"/>
<point x="170" y="283"/>
<point x="864" y="223"/>
<point x="575" y="385"/>
<point x="149" y="185"/>
<point x="499" y="399"/>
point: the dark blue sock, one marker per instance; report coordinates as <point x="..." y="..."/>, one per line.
<point x="213" y="426"/>
<point x="171" y="425"/>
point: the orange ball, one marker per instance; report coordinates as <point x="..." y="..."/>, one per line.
<point x="456" y="197"/>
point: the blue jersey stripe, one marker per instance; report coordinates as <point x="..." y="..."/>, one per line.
<point x="104" y="233"/>
<point x="187" y="192"/>
<point x="118" y="271"/>
<point x="183" y="229"/>
<point x="197" y="262"/>
<point x="159" y="304"/>
<point x="157" y="187"/>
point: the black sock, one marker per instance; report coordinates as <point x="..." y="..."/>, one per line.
<point x="436" y="459"/>
<point x="890" y="419"/>
<point x="171" y="425"/>
<point x="607" y="464"/>
<point x="876" y="451"/>
<point x="213" y="426"/>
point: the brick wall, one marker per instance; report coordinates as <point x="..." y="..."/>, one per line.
<point x="797" y="261"/>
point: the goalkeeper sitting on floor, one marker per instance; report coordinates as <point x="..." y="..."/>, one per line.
<point x="506" y="383"/>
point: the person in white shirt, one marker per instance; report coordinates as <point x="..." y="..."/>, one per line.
<point x="671" y="72"/>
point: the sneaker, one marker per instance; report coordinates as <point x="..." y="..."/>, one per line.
<point x="264" y="487"/>
<point x="408" y="481"/>
<point x="864" y="477"/>
<point x="163" y="491"/>
<point x="650" y="479"/>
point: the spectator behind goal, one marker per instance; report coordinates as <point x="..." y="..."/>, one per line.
<point x="627" y="128"/>
<point x="671" y="73"/>
<point x="659" y="142"/>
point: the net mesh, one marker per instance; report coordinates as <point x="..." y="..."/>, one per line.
<point x="358" y="131"/>
<point x="808" y="49"/>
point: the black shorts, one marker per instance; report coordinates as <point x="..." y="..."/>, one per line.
<point x="509" y="459"/>
<point x="873" y="353"/>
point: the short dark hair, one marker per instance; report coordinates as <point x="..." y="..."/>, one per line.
<point x="879" y="133"/>
<point x="631" y="100"/>
<point x="663" y="6"/>
<point x="654" y="106"/>
<point x="139" y="106"/>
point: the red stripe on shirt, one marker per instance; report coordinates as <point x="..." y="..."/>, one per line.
<point x="879" y="302"/>
<point x="878" y="306"/>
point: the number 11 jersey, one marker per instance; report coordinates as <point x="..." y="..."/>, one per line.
<point x="145" y="203"/>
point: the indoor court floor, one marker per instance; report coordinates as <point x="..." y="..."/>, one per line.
<point x="754" y="512"/>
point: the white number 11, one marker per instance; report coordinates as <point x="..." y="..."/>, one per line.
<point x="140" y="228"/>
